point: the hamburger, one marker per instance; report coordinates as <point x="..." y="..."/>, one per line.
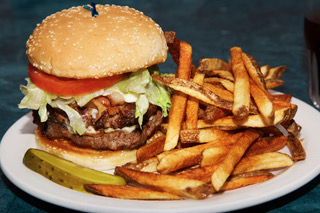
<point x="90" y="87"/>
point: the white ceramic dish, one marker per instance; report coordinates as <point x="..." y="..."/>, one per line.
<point x="20" y="137"/>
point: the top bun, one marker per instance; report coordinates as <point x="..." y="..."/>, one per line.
<point x="74" y="44"/>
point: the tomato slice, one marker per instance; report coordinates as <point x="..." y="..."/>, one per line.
<point x="70" y="86"/>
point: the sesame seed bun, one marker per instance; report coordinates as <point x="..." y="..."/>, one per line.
<point x="74" y="44"/>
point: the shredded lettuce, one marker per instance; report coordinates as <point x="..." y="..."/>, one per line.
<point x="75" y="119"/>
<point x="138" y="87"/>
<point x="140" y="83"/>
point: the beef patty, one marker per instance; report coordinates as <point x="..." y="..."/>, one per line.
<point x="107" y="116"/>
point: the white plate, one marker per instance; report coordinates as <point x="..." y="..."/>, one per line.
<point x="20" y="137"/>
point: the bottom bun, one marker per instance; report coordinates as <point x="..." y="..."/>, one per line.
<point x="101" y="160"/>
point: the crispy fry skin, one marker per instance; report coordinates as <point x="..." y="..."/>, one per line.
<point x="292" y="127"/>
<point x="131" y="193"/>
<point x="209" y="64"/>
<point x="179" y="99"/>
<point x="276" y="72"/>
<point x="173" y="45"/>
<point x="271" y="131"/>
<point x="282" y="97"/>
<point x="220" y="91"/>
<point x="272" y="83"/>
<point x="149" y="165"/>
<point x="202" y="174"/>
<point x="238" y="181"/>
<point x="193" y="105"/>
<point x="226" y="166"/>
<point x="224" y="74"/>
<point x="195" y="90"/>
<point x="213" y="113"/>
<point x="269" y="160"/>
<point x="264" y="145"/>
<point x="241" y="92"/>
<point x="180" y="186"/>
<point x="296" y="148"/>
<point x="202" y="135"/>
<point x="257" y="121"/>
<point x="263" y="102"/>
<point x="151" y="149"/>
<point x="253" y="69"/>
<point x="185" y="61"/>
<point x="229" y="85"/>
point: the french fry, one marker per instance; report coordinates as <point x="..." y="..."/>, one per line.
<point x="130" y="193"/>
<point x="180" y="186"/>
<point x="276" y="72"/>
<point x="213" y="113"/>
<point x="213" y="155"/>
<point x="263" y="102"/>
<point x="257" y="121"/>
<point x="264" y="145"/>
<point x="156" y="135"/>
<point x="256" y="163"/>
<point x="224" y="74"/>
<point x="202" y="174"/>
<point x="222" y="132"/>
<point x="269" y="160"/>
<point x="213" y="64"/>
<point x="279" y="105"/>
<point x="189" y="156"/>
<point x="241" y="91"/>
<point x="245" y="179"/>
<point x="193" y="105"/>
<point x="185" y="61"/>
<point x="253" y="69"/>
<point x="209" y="64"/>
<point x="220" y="91"/>
<point x="296" y="149"/>
<point x="195" y="90"/>
<point x="149" y="165"/>
<point x="151" y="149"/>
<point x="271" y="131"/>
<point x="226" y="166"/>
<point x="179" y="99"/>
<point x="176" y="115"/>
<point x="282" y="97"/>
<point x="272" y="83"/>
<point x="202" y="135"/>
<point x="265" y="70"/>
<point x="292" y="127"/>
<point x="293" y="111"/>
<point x="173" y="44"/>
<point x="229" y="85"/>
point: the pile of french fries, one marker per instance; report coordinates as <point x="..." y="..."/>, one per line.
<point x="224" y="131"/>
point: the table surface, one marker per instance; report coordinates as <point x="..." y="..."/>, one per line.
<point x="271" y="31"/>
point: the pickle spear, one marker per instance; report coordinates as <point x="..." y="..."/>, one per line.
<point x="66" y="173"/>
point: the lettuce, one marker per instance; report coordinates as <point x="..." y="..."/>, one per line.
<point x="141" y="85"/>
<point x="138" y="87"/>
